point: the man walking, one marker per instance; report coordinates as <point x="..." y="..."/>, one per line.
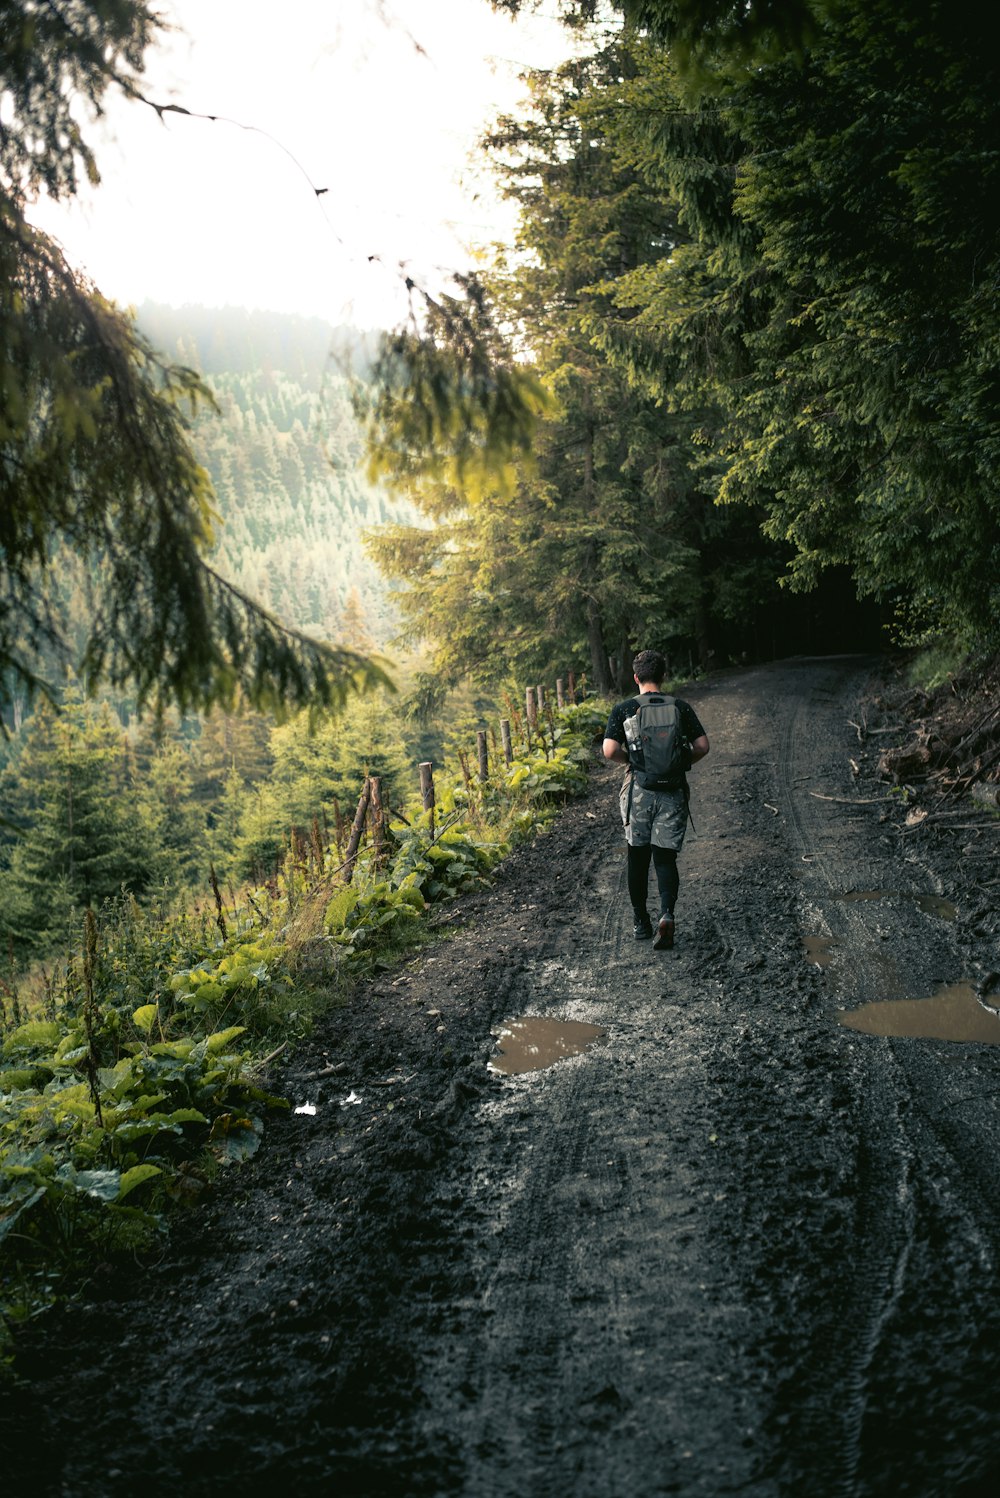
<point x="658" y="737"/>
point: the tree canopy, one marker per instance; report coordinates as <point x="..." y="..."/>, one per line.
<point x="95" y="449"/>
<point x="609" y="534"/>
<point x="840" y="304"/>
<point x="793" y="298"/>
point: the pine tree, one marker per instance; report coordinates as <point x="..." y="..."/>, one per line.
<point x="834" y="315"/>
<point x="316" y="766"/>
<point x="82" y="834"/>
<point x="608" y="537"/>
<point x="173" y="820"/>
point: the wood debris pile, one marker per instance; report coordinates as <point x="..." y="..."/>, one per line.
<point x="951" y="749"/>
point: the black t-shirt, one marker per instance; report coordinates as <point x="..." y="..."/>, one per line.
<point x="689" y="724"/>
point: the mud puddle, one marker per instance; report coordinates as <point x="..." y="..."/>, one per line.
<point x="954" y="1013"/>
<point x="929" y="904"/>
<point x="532" y="1043"/>
<point x="818" y="950"/>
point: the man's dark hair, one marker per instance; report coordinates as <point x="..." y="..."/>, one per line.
<point x="649" y="665"/>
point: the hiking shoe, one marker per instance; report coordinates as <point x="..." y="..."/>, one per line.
<point x="664" y="934"/>
<point x="642" y="928"/>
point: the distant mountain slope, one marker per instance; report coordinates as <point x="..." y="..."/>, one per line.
<point x="285" y="456"/>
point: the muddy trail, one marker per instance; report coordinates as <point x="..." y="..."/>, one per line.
<point x="734" y="1246"/>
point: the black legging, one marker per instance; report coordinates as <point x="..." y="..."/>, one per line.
<point x="667" y="877"/>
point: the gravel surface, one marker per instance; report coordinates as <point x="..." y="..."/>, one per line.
<point x="732" y="1247"/>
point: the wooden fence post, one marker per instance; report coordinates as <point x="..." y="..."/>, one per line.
<point x="529" y="708"/>
<point x="540" y="697"/>
<point x="427" y="790"/>
<point x="357" y="828"/>
<point x="560" y="696"/>
<point x="508" y="752"/>
<point x="484" y="760"/>
<point x="378" y="821"/>
<point x="572" y="686"/>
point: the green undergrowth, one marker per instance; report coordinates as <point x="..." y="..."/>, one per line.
<point x="936" y="663"/>
<point x="138" y="1071"/>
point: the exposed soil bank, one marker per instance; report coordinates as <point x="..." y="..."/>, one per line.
<point x="732" y="1247"/>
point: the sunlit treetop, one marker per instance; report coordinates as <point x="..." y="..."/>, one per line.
<point x="448" y="405"/>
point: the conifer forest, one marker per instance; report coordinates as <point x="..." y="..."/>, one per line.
<point x="308" y="639"/>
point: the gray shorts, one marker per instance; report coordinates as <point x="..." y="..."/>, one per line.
<point x="657" y="817"/>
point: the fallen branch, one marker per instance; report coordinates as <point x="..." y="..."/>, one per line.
<point x="980" y="771"/>
<point x="850" y="800"/>
<point x="992" y="713"/>
<point x="274" y="1053"/>
<point x="333" y="1070"/>
<point x="942" y="816"/>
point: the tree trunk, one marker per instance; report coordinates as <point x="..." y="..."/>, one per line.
<point x="625" y="656"/>
<point x="598" y="651"/>
<point x="704" y="639"/>
<point x="595" y="633"/>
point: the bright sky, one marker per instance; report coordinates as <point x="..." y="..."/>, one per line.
<point x="378" y="101"/>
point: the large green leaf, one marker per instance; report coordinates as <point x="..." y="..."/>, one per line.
<point x="235" y="1136"/>
<point x="157" y="1123"/>
<point x="144" y="1018"/>
<point x="37" y="1035"/>
<point x="135" y="1177"/>
<point x="19" y="1204"/>
<point x="102" y="1184"/>
<point x="221" y="1039"/>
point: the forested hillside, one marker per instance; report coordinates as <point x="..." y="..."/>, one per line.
<point x="96" y="800"/>
<point x="284" y="454"/>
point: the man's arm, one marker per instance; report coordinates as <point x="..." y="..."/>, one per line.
<point x="615" y="751"/>
<point x="699" y="748"/>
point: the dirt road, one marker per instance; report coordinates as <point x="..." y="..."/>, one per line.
<point x="733" y="1247"/>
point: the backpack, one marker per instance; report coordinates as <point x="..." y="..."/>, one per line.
<point x="657" y="749"/>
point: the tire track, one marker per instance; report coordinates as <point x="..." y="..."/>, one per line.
<point x="907" y="1134"/>
<point x="872" y="1283"/>
<point x="532" y="1297"/>
<point x="584" y="1367"/>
